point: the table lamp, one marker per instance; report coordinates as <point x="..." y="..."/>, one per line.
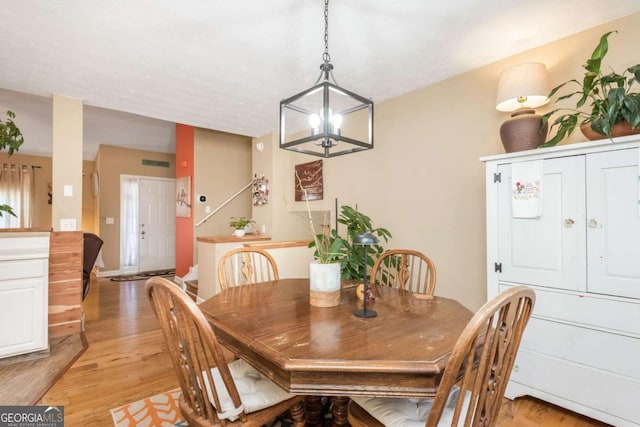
<point x="365" y="239"/>
<point x="521" y="89"/>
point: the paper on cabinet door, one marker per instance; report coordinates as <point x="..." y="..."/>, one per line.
<point x="526" y="189"/>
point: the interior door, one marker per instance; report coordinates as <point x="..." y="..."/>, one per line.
<point x="548" y="250"/>
<point x="157" y="224"/>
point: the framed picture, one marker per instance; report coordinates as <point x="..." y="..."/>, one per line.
<point x="310" y="178"/>
<point x="260" y="190"/>
<point x="183" y="197"/>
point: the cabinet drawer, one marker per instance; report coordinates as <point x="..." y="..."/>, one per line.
<point x="599" y="312"/>
<point x="23" y="269"/>
<point x="585" y="346"/>
<point x="594" y="388"/>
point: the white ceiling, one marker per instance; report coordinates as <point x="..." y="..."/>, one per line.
<point x="226" y="65"/>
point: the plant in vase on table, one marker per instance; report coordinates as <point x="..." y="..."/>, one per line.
<point x="239" y="224"/>
<point x="324" y="270"/>
<point x="613" y="98"/>
<point x="336" y="257"/>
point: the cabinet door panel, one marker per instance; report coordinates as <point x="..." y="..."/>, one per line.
<point x="548" y="250"/>
<point x="613" y="223"/>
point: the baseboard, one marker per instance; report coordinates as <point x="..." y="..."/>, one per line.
<point x="108" y="273"/>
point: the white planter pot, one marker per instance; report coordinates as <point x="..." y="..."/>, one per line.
<point x="324" y="284"/>
<point x="238" y="232"/>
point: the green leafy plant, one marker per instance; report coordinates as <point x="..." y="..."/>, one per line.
<point x="358" y="223"/>
<point x="10" y="139"/>
<point x="330" y="247"/>
<point x="240" y="223"/>
<point x="609" y="95"/>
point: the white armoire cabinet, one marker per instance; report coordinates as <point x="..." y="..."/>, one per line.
<point x="581" y="254"/>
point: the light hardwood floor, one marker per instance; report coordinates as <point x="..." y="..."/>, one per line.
<point x="126" y="361"/>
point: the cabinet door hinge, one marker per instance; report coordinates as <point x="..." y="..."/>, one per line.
<point x="497" y="177"/>
<point x="497" y="267"/>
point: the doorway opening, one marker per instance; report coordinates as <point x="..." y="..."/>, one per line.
<point x="148" y="225"/>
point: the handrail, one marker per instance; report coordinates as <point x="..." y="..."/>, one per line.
<point x="226" y="202"/>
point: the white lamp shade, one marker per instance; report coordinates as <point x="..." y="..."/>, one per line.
<point x="523" y="86"/>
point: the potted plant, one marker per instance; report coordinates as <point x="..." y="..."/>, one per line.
<point x="10" y="139"/>
<point x="324" y="270"/>
<point x="612" y="100"/>
<point x="358" y="223"/>
<point x="239" y="224"/>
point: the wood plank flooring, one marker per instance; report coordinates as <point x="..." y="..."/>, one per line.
<point x="127" y="361"/>
<point x="26" y="378"/>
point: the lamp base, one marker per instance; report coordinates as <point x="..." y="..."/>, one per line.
<point x="523" y="131"/>
<point x="365" y="313"/>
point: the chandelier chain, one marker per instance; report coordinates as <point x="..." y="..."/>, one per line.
<point x="325" y="56"/>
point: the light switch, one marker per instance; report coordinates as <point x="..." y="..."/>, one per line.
<point x="67" y="224"/>
<point x="109" y="220"/>
<point x="207" y="209"/>
<point x="68" y="190"/>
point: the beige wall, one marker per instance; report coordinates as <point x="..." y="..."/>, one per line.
<point x="67" y="161"/>
<point x="423" y="180"/>
<point x="222" y="164"/>
<point x="111" y="162"/>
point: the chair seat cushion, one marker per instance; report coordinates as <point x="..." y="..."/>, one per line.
<point x="256" y="391"/>
<point x="394" y="412"/>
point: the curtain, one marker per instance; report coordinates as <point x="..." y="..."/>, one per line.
<point x="129" y="200"/>
<point x="16" y="190"/>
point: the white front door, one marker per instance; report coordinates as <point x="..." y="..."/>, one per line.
<point x="157" y="224"/>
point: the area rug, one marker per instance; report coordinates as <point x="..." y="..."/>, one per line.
<point x="162" y="410"/>
<point x="143" y="276"/>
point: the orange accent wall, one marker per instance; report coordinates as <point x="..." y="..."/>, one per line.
<point x="184" y="226"/>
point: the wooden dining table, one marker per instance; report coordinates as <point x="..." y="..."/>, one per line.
<point x="328" y="351"/>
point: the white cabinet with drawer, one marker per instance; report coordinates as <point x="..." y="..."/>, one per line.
<point x="582" y="257"/>
<point x="24" y="278"/>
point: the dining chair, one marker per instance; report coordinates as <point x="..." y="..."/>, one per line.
<point x="90" y="250"/>
<point x="245" y="266"/>
<point x="474" y="378"/>
<point x="214" y="392"/>
<point x="405" y="269"/>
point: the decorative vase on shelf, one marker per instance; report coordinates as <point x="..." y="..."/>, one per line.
<point x="324" y="284"/>
<point x="619" y="129"/>
<point x="239" y="232"/>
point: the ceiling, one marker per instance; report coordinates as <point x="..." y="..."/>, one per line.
<point x="140" y="66"/>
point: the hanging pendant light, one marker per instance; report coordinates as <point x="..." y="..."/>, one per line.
<point x="326" y="120"/>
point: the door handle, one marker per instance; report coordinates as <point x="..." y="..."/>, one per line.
<point x="142" y="232"/>
<point x="592" y="223"/>
<point x="568" y="223"/>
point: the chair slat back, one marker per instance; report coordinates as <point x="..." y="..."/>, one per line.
<point x="246" y="266"/>
<point x="193" y="348"/>
<point x="405" y="269"/>
<point x="483" y="357"/>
